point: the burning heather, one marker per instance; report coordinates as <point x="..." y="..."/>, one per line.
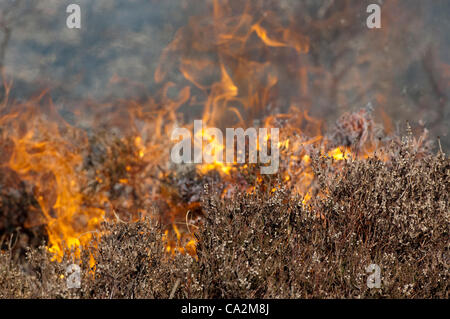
<point x="100" y="189"/>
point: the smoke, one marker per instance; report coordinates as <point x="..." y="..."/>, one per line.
<point x="400" y="69"/>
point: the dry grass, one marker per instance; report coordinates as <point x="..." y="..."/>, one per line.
<point x="270" y="245"/>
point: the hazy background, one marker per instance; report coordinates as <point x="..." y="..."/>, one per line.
<point x="406" y="70"/>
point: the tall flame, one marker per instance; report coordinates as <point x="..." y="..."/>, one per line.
<point x="235" y="65"/>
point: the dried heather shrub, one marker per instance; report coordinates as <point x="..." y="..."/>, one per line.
<point x="394" y="214"/>
<point x="357" y="129"/>
<point x="391" y="213"/>
<point x="131" y="262"/>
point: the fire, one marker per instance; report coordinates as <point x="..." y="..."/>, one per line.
<point x="300" y="45"/>
<point x="48" y="161"/>
<point x="338" y="154"/>
<point x="217" y="151"/>
<point x="231" y="68"/>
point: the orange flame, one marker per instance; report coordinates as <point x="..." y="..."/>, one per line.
<point x="231" y="69"/>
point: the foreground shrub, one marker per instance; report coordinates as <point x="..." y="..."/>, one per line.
<point x="391" y="213"/>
